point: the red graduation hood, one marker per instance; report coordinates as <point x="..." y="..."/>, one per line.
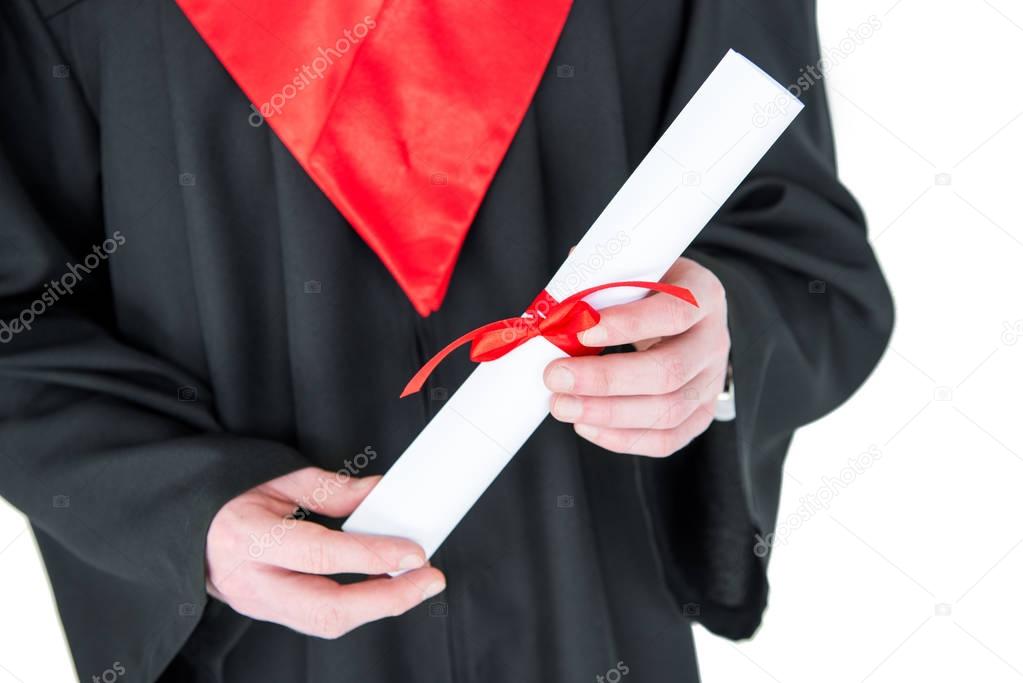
<point x="399" y="110"/>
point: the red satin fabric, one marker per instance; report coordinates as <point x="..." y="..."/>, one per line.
<point x="406" y="123"/>
<point x="558" y="322"/>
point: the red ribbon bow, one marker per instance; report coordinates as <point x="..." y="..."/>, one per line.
<point x="558" y="322"/>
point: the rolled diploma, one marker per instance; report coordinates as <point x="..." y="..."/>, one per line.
<point x="713" y="144"/>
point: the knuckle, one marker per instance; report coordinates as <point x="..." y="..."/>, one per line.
<point x="704" y="420"/>
<point x="717" y="289"/>
<point x="616" y="443"/>
<point x="304" y="473"/>
<point x="605" y="439"/>
<point x="628" y="325"/>
<point x="600" y="379"/>
<point x="246" y="608"/>
<point x="604" y="412"/>
<point x="226" y="533"/>
<point x="399" y="606"/>
<point x="408" y="597"/>
<point x="373" y="556"/>
<point x="328" y="621"/>
<point x="697" y="425"/>
<point x="317" y="557"/>
<point x="234" y="545"/>
<point x="678" y="409"/>
<point x="676" y="371"/>
<point x="723" y="343"/>
<point x="220" y="540"/>
<point x="240" y="586"/>
<point x="666" y="443"/>
<point x="679" y="315"/>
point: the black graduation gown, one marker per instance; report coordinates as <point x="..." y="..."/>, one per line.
<point x="241" y="329"/>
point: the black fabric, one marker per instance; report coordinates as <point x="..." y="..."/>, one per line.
<point x="241" y="330"/>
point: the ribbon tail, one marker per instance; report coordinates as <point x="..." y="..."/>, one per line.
<point x="419" y="379"/>
<point x="673" y="290"/>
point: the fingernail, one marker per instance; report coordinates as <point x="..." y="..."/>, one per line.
<point x="363" y="483"/>
<point x="586" y="431"/>
<point x="410" y="562"/>
<point x="433" y="589"/>
<point x="595" y="336"/>
<point x="560" y="378"/>
<point x="567" y="407"/>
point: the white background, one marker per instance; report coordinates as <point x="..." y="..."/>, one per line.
<point x="913" y="571"/>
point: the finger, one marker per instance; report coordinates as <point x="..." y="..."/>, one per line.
<point x="321" y="607"/>
<point x="661" y="369"/>
<point x="662" y="411"/>
<point x="658" y="315"/>
<point x="314" y="549"/>
<point x="656" y="443"/>
<point x="334" y="494"/>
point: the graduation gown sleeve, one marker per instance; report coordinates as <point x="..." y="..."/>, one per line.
<point x="809" y="315"/>
<point x="118" y="477"/>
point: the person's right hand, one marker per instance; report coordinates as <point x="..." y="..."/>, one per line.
<point x="268" y="565"/>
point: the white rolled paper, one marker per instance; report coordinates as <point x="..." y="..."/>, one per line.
<point x="713" y="144"/>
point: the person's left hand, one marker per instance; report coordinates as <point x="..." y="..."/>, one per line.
<point x="657" y="399"/>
